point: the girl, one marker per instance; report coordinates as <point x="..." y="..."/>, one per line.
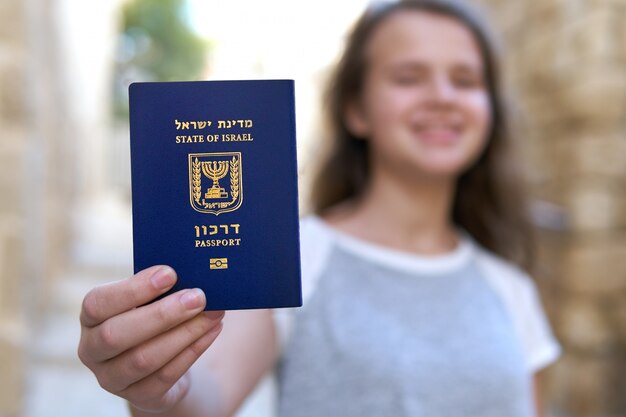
<point x="412" y="304"/>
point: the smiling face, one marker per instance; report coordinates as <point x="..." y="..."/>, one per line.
<point x="424" y="107"/>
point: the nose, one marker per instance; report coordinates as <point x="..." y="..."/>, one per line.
<point x="441" y="89"/>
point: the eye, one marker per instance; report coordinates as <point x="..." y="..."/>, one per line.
<point x="467" y="80"/>
<point x="404" y="80"/>
<point x="407" y="78"/>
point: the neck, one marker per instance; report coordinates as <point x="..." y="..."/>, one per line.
<point x="412" y="215"/>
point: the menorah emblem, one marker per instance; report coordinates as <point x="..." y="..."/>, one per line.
<point x="215" y="170"/>
<point x="211" y="168"/>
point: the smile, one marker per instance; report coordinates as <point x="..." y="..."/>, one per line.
<point x="438" y="135"/>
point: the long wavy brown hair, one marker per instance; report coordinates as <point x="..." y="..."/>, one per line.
<point x="489" y="201"/>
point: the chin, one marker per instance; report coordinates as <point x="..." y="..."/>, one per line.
<point x="442" y="171"/>
<point x="443" y="165"/>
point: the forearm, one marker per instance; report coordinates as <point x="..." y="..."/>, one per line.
<point x="203" y="399"/>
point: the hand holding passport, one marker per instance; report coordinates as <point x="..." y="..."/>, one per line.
<point x="131" y="349"/>
<point x="215" y="227"/>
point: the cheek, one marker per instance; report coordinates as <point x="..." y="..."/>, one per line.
<point x="479" y="112"/>
<point x="385" y="108"/>
<point x="479" y="115"/>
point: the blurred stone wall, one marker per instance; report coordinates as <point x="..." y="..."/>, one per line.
<point x="567" y="62"/>
<point x="12" y="219"/>
<point x="35" y="195"/>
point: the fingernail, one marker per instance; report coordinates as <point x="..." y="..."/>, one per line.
<point x="192" y="299"/>
<point x="214" y="315"/>
<point x="163" y="278"/>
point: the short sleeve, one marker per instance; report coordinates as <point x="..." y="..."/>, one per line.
<point x="540" y="344"/>
<point x="522" y="300"/>
<point x="315" y="246"/>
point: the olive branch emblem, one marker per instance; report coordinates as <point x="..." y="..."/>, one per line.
<point x="196" y="180"/>
<point x="234" y="178"/>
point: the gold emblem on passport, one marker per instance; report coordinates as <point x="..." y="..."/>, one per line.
<point x="215" y="182"/>
<point x="218" y="263"/>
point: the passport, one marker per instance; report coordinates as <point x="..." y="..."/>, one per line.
<point x="214" y="188"/>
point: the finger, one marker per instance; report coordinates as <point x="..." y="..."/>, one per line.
<point x="160" y="390"/>
<point x="125" y="331"/>
<point x="117" y="297"/>
<point x="143" y="360"/>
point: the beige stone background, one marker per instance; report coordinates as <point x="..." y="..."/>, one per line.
<point x="64" y="223"/>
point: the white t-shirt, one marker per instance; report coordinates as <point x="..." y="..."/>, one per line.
<point x="516" y="288"/>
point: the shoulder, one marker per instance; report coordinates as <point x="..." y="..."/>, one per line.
<point x="519" y="294"/>
<point x="316" y="242"/>
<point x="502" y="274"/>
<point x="312" y="230"/>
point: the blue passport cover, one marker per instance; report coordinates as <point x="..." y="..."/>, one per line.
<point x="214" y="188"/>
